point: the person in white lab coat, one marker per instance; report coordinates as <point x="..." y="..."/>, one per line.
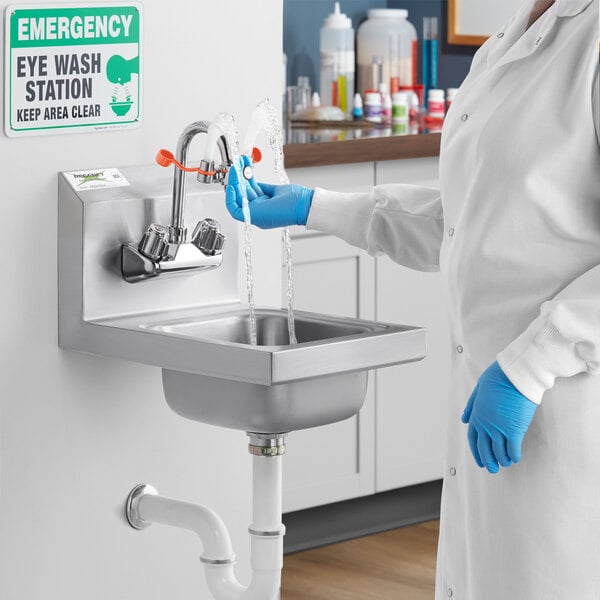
<point x="515" y="232"/>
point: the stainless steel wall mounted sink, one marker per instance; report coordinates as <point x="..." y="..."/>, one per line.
<point x="320" y="380"/>
<point x="195" y="328"/>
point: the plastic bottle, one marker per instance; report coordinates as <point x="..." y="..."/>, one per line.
<point x="357" y="108"/>
<point x="337" y="60"/>
<point x="386" y="104"/>
<point x="400" y="108"/>
<point x="436" y="106"/>
<point x="387" y="33"/>
<point x="373" y="107"/>
<point x="303" y="91"/>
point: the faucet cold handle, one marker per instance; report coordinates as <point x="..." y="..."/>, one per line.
<point x="208" y="238"/>
<point x="155" y="242"/>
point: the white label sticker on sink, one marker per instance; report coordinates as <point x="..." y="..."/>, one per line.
<point x="94" y="179"/>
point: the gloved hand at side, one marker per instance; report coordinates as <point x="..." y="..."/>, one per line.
<point x="498" y="416"/>
<point x="270" y="205"/>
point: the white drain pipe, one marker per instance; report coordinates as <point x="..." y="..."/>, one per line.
<point x="145" y="506"/>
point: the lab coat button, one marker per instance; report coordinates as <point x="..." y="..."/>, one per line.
<point x="450" y="593"/>
<point x="451" y="231"/>
<point x="465" y="117"/>
<point x="460" y="349"/>
<point x="501" y="34"/>
<point x="453" y="471"/>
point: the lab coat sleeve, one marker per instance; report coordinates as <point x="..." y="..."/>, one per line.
<point x="563" y="341"/>
<point x="401" y="220"/>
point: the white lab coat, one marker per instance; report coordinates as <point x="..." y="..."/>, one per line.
<point x="515" y="232"/>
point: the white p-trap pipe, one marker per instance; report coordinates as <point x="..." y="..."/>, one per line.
<point x="200" y="519"/>
<point x="266" y="544"/>
<point x="145" y="506"/>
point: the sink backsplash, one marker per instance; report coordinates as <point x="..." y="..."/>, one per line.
<point x="109" y="217"/>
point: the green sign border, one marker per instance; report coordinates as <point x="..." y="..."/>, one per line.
<point x="73" y="10"/>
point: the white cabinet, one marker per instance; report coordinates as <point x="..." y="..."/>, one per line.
<point x="397" y="439"/>
<point x="410" y="432"/>
<point x="411" y="399"/>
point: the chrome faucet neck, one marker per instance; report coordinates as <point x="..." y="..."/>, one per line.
<point x="177" y="231"/>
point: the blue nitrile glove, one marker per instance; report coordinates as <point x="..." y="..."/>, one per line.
<point x="498" y="416"/>
<point x="270" y="205"/>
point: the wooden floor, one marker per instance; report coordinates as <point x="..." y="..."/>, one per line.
<point x="394" y="565"/>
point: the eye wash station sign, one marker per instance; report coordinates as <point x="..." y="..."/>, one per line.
<point x="72" y="68"/>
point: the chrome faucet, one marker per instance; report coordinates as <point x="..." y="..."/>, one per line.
<point x="165" y="250"/>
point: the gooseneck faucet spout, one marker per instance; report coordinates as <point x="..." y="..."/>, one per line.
<point x="177" y="231"/>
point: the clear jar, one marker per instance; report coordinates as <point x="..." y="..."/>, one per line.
<point x="388" y="39"/>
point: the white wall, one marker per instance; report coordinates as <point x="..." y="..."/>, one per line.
<point x="77" y="431"/>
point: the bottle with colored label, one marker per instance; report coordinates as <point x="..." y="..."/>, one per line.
<point x="436" y="104"/>
<point x="400" y="108"/>
<point x="386" y="104"/>
<point x="373" y="106"/>
<point x="357" y="107"/>
<point x="337" y="61"/>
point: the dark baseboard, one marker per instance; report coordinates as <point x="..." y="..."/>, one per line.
<point x="350" y="519"/>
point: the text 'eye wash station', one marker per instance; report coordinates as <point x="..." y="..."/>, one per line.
<point x="134" y="285"/>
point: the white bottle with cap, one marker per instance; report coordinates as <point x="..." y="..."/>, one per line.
<point x="337" y="61"/>
<point x="436" y="104"/>
<point x="386" y="103"/>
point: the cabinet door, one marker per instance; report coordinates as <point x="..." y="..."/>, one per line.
<point x="333" y="462"/>
<point x="411" y="409"/>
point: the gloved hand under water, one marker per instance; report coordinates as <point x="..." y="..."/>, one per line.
<point x="498" y="416"/>
<point x="270" y="205"/>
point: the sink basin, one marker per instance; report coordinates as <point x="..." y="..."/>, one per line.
<point x="271" y="328"/>
<point x="320" y="380"/>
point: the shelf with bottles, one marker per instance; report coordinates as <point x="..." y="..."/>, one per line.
<point x="307" y="132"/>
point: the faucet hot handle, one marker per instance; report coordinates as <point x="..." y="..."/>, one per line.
<point x="154" y="242"/>
<point x="208" y="238"/>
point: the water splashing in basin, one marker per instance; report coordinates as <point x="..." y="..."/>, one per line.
<point x="265" y="117"/>
<point x="224" y="124"/>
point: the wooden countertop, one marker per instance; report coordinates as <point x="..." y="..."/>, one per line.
<point x="392" y="147"/>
